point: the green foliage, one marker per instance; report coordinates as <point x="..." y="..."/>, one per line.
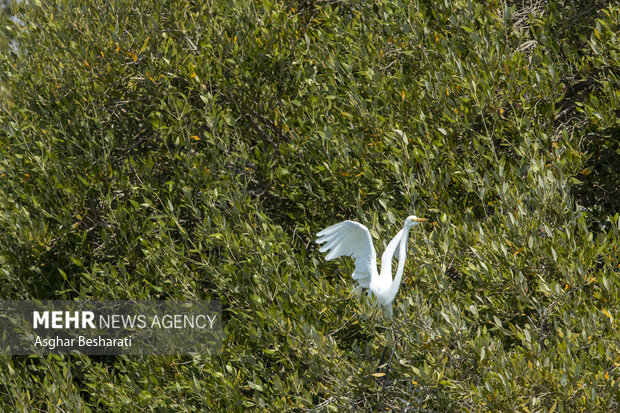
<point x="191" y="150"/>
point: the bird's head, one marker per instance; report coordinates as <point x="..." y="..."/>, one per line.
<point x="412" y="221"/>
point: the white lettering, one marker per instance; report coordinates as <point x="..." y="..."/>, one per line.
<point x="87" y="319"/>
<point x="41" y="318"/>
<point x="72" y="319"/>
<point x="211" y="320"/>
<point x="57" y="319"/>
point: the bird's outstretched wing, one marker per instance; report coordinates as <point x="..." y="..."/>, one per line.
<point x="351" y="239"/>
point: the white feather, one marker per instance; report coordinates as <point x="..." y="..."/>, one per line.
<point x="352" y="239"/>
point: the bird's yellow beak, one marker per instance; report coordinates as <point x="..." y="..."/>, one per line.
<point x="420" y="219"/>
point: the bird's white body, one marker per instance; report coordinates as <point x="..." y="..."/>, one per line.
<point x="352" y="239"/>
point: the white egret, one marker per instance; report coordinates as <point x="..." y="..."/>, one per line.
<point x="352" y="239"/>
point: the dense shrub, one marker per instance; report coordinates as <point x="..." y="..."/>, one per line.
<point x="191" y="150"/>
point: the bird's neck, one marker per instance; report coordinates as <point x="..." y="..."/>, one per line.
<point x="388" y="254"/>
<point x="402" y="246"/>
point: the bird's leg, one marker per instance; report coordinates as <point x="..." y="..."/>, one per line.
<point x="389" y="363"/>
<point x="382" y="358"/>
<point x="385" y="349"/>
